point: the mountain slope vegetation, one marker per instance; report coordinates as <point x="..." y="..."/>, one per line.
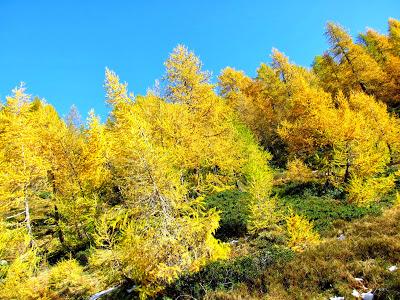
<point x="282" y="186"/>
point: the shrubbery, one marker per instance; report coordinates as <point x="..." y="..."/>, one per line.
<point x="234" y="208"/>
<point x="66" y="280"/>
<point x="226" y="275"/>
<point x="300" y="233"/>
<point x="324" y="209"/>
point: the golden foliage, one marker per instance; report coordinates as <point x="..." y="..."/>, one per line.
<point x="300" y="233"/>
<point x="298" y="171"/>
<point x="369" y="190"/>
<point x="131" y="192"/>
<point x="264" y="216"/>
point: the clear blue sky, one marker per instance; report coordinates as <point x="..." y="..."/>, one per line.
<point x="61" y="48"/>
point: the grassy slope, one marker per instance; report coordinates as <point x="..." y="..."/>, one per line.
<point x="372" y="244"/>
<point x="263" y="267"/>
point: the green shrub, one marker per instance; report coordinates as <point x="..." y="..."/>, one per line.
<point x="234" y="209"/>
<point x="323" y="211"/>
<point x="226" y="275"/>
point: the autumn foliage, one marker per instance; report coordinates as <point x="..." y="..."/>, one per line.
<point x="89" y="206"/>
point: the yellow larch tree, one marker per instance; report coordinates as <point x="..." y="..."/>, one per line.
<point x="379" y="47"/>
<point x="394" y="36"/>
<point x="349" y="64"/>
<point x="23" y="180"/>
<point x="23" y="170"/>
<point x="167" y="153"/>
<point x="164" y="232"/>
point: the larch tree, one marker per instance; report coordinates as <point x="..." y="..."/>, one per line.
<point x="23" y="181"/>
<point x="23" y="169"/>
<point x="379" y="47"/>
<point x="355" y="68"/>
<point x="167" y="153"/>
<point x="394" y="35"/>
<point x="162" y="231"/>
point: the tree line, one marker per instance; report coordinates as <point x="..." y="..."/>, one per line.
<point x="85" y="207"/>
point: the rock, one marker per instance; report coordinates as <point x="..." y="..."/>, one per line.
<point x="341" y="237"/>
<point x="336" y="298"/>
<point x="367" y="296"/>
<point x="392" y="268"/>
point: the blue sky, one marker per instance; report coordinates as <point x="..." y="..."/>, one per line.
<point x="61" y="48"/>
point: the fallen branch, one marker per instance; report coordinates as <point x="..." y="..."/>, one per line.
<point x="16" y="215"/>
<point x="102" y="293"/>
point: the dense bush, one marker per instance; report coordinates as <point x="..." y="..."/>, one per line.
<point x="234" y="209"/>
<point x="225" y="275"/>
<point x="66" y="280"/>
<point x="306" y="200"/>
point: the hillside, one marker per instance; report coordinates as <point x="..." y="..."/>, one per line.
<point x="281" y="186"/>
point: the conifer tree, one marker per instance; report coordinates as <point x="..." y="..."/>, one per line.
<point x="163" y="229"/>
<point x="355" y="69"/>
<point x="379" y="47"/>
<point x="23" y="170"/>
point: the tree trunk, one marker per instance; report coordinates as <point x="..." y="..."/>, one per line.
<point x="346" y="178"/>
<point x="52" y="179"/>
<point x="59" y="231"/>
<point x="362" y="85"/>
<point x="28" y="221"/>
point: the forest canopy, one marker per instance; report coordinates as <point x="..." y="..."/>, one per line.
<point x="159" y="191"/>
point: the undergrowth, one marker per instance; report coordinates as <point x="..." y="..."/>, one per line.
<point x="263" y="266"/>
